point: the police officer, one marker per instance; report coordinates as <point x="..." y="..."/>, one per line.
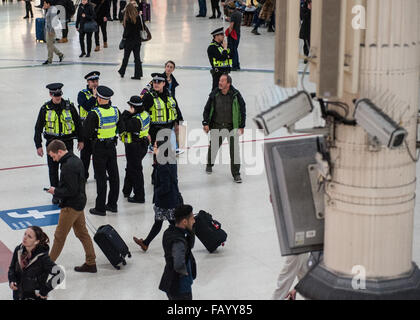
<point x="87" y="101"/>
<point x="162" y="107"/>
<point x="136" y="124"/>
<point x="102" y="126"/>
<point x="57" y="119"/>
<point x="219" y="56"/>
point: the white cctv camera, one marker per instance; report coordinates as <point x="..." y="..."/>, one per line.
<point x="285" y="113"/>
<point x="378" y="125"/>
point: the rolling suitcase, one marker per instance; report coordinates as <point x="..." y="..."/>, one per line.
<point x="146" y="12"/>
<point x="40" y="29"/>
<point x="111" y="244"/>
<point x="209" y="231"/>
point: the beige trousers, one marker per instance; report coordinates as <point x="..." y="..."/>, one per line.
<point x="51" y="47"/>
<point x="70" y="218"/>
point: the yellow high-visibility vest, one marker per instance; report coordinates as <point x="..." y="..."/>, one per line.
<point x="108" y="119"/>
<point x="144" y="117"/>
<point x="53" y="120"/>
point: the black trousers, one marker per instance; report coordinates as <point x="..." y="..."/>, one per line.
<point x="66" y="29"/>
<point x="180" y="296"/>
<point x="102" y="27"/>
<point x="88" y="40"/>
<point x="85" y="156"/>
<point x="135" y="48"/>
<point x="157" y="226"/>
<point x="134" y="179"/>
<point x="114" y="8"/>
<point x="306" y="46"/>
<point x="28" y="7"/>
<point x="105" y="161"/>
<point x="155" y="128"/>
<point x="215" y="7"/>
<point x="54" y="166"/>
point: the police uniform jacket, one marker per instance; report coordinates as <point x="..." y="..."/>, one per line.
<point x="148" y="102"/>
<point x="40" y="123"/>
<point x="87" y="104"/>
<point x="91" y="124"/>
<point x="131" y="123"/>
<point x="213" y="52"/>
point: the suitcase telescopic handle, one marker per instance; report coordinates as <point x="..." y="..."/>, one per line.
<point x="90" y="226"/>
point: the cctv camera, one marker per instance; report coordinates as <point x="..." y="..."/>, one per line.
<point x="286" y="113"/>
<point x="379" y="125"/>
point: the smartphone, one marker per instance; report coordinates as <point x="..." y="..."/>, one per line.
<point x="46" y="189"/>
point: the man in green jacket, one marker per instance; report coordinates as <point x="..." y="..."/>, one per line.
<point x="224" y="117"/>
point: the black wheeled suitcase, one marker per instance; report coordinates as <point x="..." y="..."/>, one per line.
<point x="209" y="231"/>
<point x="112" y="245"/>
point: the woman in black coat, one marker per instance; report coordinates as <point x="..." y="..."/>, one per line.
<point x="166" y="197"/>
<point x="132" y="27"/>
<point x="85" y="13"/>
<point x="102" y="8"/>
<point x="31" y="266"/>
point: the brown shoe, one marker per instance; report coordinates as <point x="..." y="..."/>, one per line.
<point x="141" y="243"/>
<point x="105" y="44"/>
<point x="97" y="48"/>
<point x="86" y="268"/>
<point x="63" y="40"/>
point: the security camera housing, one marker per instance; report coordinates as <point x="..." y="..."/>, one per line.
<point x="379" y="125"/>
<point x="286" y="113"/>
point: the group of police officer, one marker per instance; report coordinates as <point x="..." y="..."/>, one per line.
<point x="97" y="127"/>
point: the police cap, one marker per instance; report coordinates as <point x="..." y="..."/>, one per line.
<point x="94" y="75"/>
<point x="135" y="102"/>
<point x="104" y="92"/>
<point x="55" y="89"/>
<point x="217" y="31"/>
<point x="158" y="77"/>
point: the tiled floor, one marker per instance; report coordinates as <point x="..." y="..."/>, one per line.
<point x="247" y="267"/>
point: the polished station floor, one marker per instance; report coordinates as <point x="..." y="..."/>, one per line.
<point x="248" y="265"/>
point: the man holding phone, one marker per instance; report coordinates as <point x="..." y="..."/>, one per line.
<point x="72" y="195"/>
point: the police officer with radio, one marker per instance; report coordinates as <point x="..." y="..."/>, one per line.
<point x="87" y="101"/>
<point x="162" y="107"/>
<point x="57" y="119"/>
<point x="219" y="56"/>
<point x="137" y="124"/>
<point x="102" y="126"/>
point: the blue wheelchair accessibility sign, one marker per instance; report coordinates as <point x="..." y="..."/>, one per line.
<point x="42" y="216"/>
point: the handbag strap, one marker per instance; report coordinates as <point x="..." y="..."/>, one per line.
<point x="141" y="21"/>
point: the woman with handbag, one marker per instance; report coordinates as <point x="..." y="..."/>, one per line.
<point x="86" y="25"/>
<point x="102" y="17"/>
<point x="132" y="41"/>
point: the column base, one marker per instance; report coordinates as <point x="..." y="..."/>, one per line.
<point x="323" y="284"/>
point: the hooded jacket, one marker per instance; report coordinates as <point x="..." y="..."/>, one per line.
<point x="35" y="275"/>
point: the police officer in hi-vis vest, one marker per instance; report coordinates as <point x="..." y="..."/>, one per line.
<point x="87" y="101"/>
<point x="102" y="126"/>
<point x="219" y="56"/>
<point x="162" y="107"/>
<point x="57" y="119"/>
<point x="136" y="123"/>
